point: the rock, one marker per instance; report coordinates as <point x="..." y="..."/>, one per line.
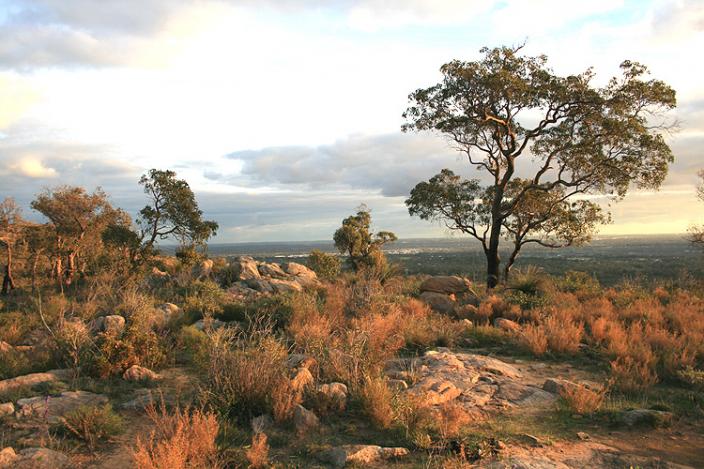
<point x="165" y="313"/>
<point x="7" y="457"/>
<point x="303" y="275"/>
<point x="304" y="420"/>
<point x="260" y="285"/>
<point x="4" y="348"/>
<point x="114" y="324"/>
<point x="245" y="268"/>
<point x="654" y="418"/>
<point x="8" y="408"/>
<point x="139" y="373"/>
<point x="271" y="270"/>
<point x="159" y="274"/>
<point x="466" y="312"/>
<point x="285" y="286"/>
<point x="34" y="379"/>
<point x="446" y="284"/>
<point x="436" y="390"/>
<point x="52" y="408"/>
<point x="558" y="386"/>
<point x="209" y="324"/>
<point x="143" y="398"/>
<point x="533" y="440"/>
<point x="334" y="394"/>
<point x="262" y="423"/>
<point x="506" y="325"/>
<point x="583" y="436"/>
<point x="203" y="269"/>
<point x="360" y="454"/>
<point x="440" y="302"/>
<point x="40" y="458"/>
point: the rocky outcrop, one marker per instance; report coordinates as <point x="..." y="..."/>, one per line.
<point x="113" y="324"/>
<point x="52" y="408"/>
<point x="203" y="269"/>
<point x="362" y="455"/>
<point x="478" y="383"/>
<point x="254" y="278"/>
<point x="648" y="417"/>
<point x="33" y="379"/>
<point x="447" y="294"/>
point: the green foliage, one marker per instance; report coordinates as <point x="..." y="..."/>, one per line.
<point x="192" y="346"/>
<point x="204" y="299"/>
<point x="91" y="424"/>
<point x="173" y="211"/>
<point x="363" y="248"/>
<point x="589" y="141"/>
<point x="326" y="266"/>
<point x="580" y="283"/>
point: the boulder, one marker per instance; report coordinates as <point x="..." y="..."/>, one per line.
<point x="435" y="391"/>
<point x="271" y="270"/>
<point x="245" y="268"/>
<point x="40" y="458"/>
<point x="362" y="455"/>
<point x="203" y="269"/>
<point x="5" y="347"/>
<point x="507" y="325"/>
<point x="142" y="399"/>
<point x="300" y="360"/>
<point x="305" y="276"/>
<point x="165" y="313"/>
<point x="653" y="418"/>
<point x="260" y="285"/>
<point x="446" y="284"/>
<point x="334" y="394"/>
<point x="7" y="408"/>
<point x="285" y="286"/>
<point x="113" y="324"/>
<point x="559" y="386"/>
<point x="439" y="302"/>
<point x="53" y="408"/>
<point x="304" y="420"/>
<point x="7" y="457"/>
<point x="139" y="373"/>
<point x="209" y="324"/>
<point x="33" y="379"/>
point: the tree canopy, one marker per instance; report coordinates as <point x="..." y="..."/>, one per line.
<point x="546" y="141"/>
<point x="355" y="238"/>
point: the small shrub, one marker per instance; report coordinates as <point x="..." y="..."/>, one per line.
<point x="92" y="424"/>
<point x="180" y="440"/>
<point x="582" y="400"/>
<point x="327" y="266"/>
<point x="534" y="339"/>
<point x="258" y="453"/>
<point x="192" y="346"/>
<point x="563" y="333"/>
<point x="377" y="402"/>
<point x="631" y="375"/>
<point x="451" y="419"/>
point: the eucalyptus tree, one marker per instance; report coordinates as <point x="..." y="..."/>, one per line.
<point x="544" y="140"/>
<point x="362" y="246"/>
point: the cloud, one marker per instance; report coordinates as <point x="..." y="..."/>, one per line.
<point x="33" y="168"/>
<point x="391" y="164"/>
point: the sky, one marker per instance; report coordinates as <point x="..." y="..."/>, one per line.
<point x="284" y="116"/>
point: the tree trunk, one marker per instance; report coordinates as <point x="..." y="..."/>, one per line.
<point x="493" y="260"/>
<point x="510" y="262"/>
<point x="7" y="282"/>
<point x="70" y="268"/>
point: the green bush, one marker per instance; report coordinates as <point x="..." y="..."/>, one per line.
<point x="192" y="346"/>
<point x="91" y="424"/>
<point x="580" y="283"/>
<point x="326" y="266"/>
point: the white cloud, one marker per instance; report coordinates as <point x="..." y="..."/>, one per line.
<point x="33" y="167"/>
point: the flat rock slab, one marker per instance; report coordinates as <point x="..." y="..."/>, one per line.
<point x="52" y="408"/>
<point x="475" y="381"/>
<point x="33" y="379"/>
<point x="360" y="454"/>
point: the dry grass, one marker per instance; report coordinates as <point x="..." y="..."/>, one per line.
<point x="582" y="400"/>
<point x="534" y="339"/>
<point x="258" y="453"/>
<point x="377" y="402"/>
<point x="451" y="419"/>
<point x="180" y="440"/>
